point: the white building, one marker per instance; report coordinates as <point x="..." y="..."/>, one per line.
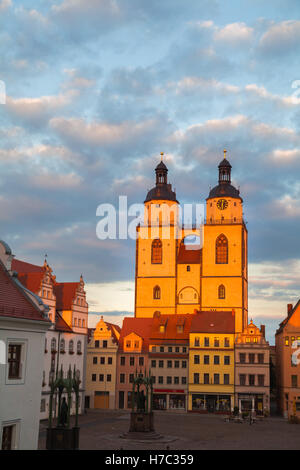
<point x="66" y="341"/>
<point x="23" y="324"/>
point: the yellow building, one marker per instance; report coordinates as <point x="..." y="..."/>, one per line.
<point x="101" y="366"/>
<point x="172" y="278"/>
<point x="211" y="362"/>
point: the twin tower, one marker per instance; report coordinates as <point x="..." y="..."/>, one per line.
<point x="174" y="277"/>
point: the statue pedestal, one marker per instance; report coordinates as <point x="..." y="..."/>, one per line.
<point x="141" y="422"/>
<point x="60" y="438"/>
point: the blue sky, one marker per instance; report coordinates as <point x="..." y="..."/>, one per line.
<point x="96" y="89"/>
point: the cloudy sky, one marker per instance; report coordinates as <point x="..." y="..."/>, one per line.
<point x="96" y="89"/>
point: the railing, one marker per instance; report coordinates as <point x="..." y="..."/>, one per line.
<point x="233" y="220"/>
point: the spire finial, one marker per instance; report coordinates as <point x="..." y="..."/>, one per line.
<point x="225" y="151"/>
<point x="161" y="155"/>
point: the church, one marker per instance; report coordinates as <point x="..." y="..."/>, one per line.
<point x="173" y="278"/>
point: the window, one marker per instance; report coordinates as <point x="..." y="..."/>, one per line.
<point x="170" y="349"/>
<point x="183" y="380"/>
<point x="14" y="361"/>
<point x="261" y="380"/>
<point x="216" y="343"/>
<point x="260" y="358"/>
<point x="226" y="360"/>
<point x="160" y="380"/>
<point x="122" y="378"/>
<point x="221" y="250"/>
<point x="156" y="292"/>
<point x="8" y="437"/>
<point x="128" y="344"/>
<point x="102" y="360"/>
<point x="177" y="349"/>
<point x="95" y="360"/>
<point x="176" y="380"/>
<point x="206" y="379"/>
<point x="162" y="328"/>
<point x="226" y="342"/>
<point x="108" y="377"/>
<point x="242" y="358"/>
<point x="131" y="361"/>
<point x="43" y="405"/>
<point x="197" y="342"/>
<point x="251" y="379"/>
<point x="216" y="378"/>
<point x="141" y="361"/>
<point x="101" y="378"/>
<point x="286" y="341"/>
<point x="206" y="360"/>
<point x="184" y="364"/>
<point x="206" y="342"/>
<point x="160" y="363"/>
<point x="97" y="343"/>
<point x="196" y="359"/>
<point x="78" y="347"/>
<point x="252" y="358"/>
<point x="153" y="379"/>
<point x="226" y="379"/>
<point x="169" y="380"/>
<point x="136" y="345"/>
<point x="105" y="344"/>
<point x="153" y="363"/>
<point x="156" y="252"/>
<point x="94" y="377"/>
<point x="109" y="360"/>
<point x="196" y="378"/>
<point x="53" y="345"/>
<point x="71" y="347"/>
<point x="176" y="364"/>
<point x="188" y="268"/>
<point x="242" y="379"/>
<point x="122" y="360"/>
<point x="169" y="364"/>
<point x="131" y="378"/>
<point x="216" y="359"/>
<point x="294" y="381"/>
<point x="161" y="349"/>
<point x="221" y="292"/>
<point x="184" y="349"/>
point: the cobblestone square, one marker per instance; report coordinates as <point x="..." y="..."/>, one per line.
<point x="102" y="430"/>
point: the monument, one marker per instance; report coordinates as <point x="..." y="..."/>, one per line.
<point x="61" y="436"/>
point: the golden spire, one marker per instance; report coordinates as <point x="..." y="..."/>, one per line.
<point x="225" y="151"/>
<point x="161" y="155"/>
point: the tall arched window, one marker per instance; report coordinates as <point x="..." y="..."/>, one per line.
<point x="156" y="252"/>
<point x="53" y="344"/>
<point x="221" y="292"/>
<point x="221" y="250"/>
<point x="71" y="346"/>
<point x="156" y="292"/>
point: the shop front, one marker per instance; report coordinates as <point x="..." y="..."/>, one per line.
<point x="211" y="403"/>
<point x="168" y="399"/>
<point x="251" y="402"/>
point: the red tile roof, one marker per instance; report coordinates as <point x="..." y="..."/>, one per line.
<point x="22" y="267"/>
<point x="65" y="294"/>
<point x="139" y="326"/>
<point x="32" y="281"/>
<point x="14" y="302"/>
<point x="61" y="325"/>
<point x="213" y="322"/>
<point x="188" y="256"/>
<point x="171" y="323"/>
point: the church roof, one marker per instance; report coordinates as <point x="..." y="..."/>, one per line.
<point x="163" y="191"/>
<point x="188" y="256"/>
<point x="224" y="190"/>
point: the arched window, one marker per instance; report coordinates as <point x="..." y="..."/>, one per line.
<point x="221" y="292"/>
<point x="71" y="346"/>
<point x="221" y="250"/>
<point x="156" y="252"/>
<point x="62" y="345"/>
<point x="156" y="292"/>
<point x="78" y="347"/>
<point x="53" y="344"/>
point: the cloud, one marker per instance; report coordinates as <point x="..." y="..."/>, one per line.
<point x="5" y="4"/>
<point x="281" y="38"/>
<point x="234" y="34"/>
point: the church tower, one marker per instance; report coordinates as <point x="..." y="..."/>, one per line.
<point x="156" y="245"/>
<point x="224" y="272"/>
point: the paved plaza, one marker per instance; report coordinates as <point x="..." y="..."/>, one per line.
<point x="101" y="429"/>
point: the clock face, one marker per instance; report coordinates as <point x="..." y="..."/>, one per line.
<point x="222" y="204"/>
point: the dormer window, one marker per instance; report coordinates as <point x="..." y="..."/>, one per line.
<point x="162" y="328"/>
<point x="128" y="344"/>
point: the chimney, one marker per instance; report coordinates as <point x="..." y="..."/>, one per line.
<point x="263" y="330"/>
<point x="289" y="309"/>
